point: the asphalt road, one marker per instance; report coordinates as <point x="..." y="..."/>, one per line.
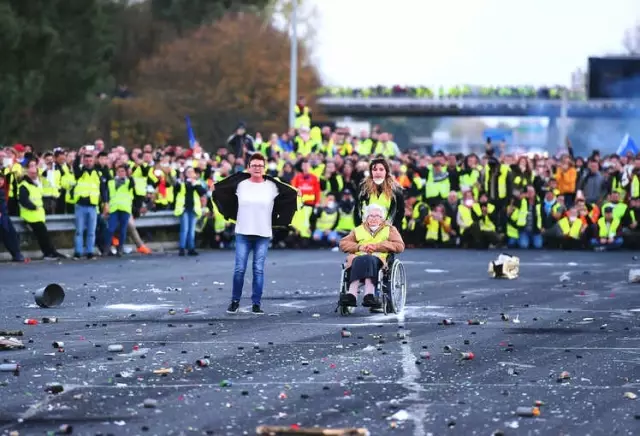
<point x="292" y="366"/>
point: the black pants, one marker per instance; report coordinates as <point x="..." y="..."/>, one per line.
<point x="50" y="205"/>
<point x="474" y="237"/>
<point x="42" y="236"/>
<point x="9" y="237"/>
<point x="12" y="205"/>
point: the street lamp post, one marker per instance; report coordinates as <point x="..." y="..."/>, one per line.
<point x="293" y="75"/>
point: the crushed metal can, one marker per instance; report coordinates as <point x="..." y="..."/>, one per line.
<point x="202" y="363"/>
<point x="528" y="411"/>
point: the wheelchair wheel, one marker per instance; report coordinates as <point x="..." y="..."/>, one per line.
<point x="344" y="310"/>
<point x="397" y="287"/>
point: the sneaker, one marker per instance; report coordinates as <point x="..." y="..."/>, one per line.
<point x="90" y="256"/>
<point x="77" y="256"/>
<point x="255" y="309"/>
<point x="234" y="307"/>
<point x="144" y="250"/>
<point x="369" y="300"/>
<point x="50" y="257"/>
<point x="193" y="253"/>
<point x="348" y="300"/>
<point x="181" y="252"/>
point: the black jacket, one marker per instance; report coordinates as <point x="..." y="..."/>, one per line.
<point x="284" y="205"/>
<point x="237" y="143"/>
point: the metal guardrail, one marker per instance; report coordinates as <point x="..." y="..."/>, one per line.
<point x="66" y="223"/>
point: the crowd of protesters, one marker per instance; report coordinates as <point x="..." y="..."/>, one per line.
<point x="442" y="200"/>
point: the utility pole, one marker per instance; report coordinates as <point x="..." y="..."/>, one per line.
<point x="293" y="75"/>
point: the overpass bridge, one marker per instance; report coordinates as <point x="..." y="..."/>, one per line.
<point x="471" y="101"/>
<point x="409" y="106"/>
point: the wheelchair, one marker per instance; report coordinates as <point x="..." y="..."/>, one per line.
<point x="391" y="290"/>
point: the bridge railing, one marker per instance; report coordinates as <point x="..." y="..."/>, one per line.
<point x="463" y="91"/>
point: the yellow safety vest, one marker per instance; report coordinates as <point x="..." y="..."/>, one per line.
<point x="512" y="231"/>
<point x="502" y="180"/>
<point x="35" y="196"/>
<point x="51" y="189"/>
<point x="635" y="187"/>
<point x="466" y="218"/>
<point x="486" y="225"/>
<point x="434" y="226"/>
<point x="365" y="147"/>
<point x="326" y="221"/>
<point x="381" y="200"/>
<point x="139" y="176"/>
<point x="364" y="237"/>
<point x="470" y="180"/>
<point x="347" y="222"/>
<point x="439" y="189"/>
<point x="301" y="221"/>
<point x="14" y="174"/>
<point x="88" y="186"/>
<point x="181" y="200"/>
<point x="67" y="182"/>
<point x="327" y="185"/>
<point x="219" y="223"/>
<point x="120" y="199"/>
<point x="617" y="187"/>
<point x="303" y="118"/>
<point x="305" y="148"/>
<point x="524" y="211"/>
<point x="619" y="209"/>
<point x="570" y="229"/>
<point x="610" y="232"/>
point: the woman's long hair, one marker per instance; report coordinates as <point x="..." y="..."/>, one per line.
<point x="369" y="188"/>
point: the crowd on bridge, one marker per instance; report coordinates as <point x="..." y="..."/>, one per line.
<point x="442" y="200"/>
<point x="455" y="92"/>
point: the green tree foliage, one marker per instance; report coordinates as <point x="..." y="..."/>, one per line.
<point x="62" y="60"/>
<point x="235" y="69"/>
<point x="53" y="53"/>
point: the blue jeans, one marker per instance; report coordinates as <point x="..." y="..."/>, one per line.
<point x="188" y="230"/>
<point x="617" y="243"/>
<point x="332" y="237"/>
<point x="244" y="245"/>
<point x="526" y="239"/>
<point x="86" y="220"/>
<point x="118" y="220"/>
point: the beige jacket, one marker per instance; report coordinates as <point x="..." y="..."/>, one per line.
<point x="394" y="244"/>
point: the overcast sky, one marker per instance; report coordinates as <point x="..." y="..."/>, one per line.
<point x="479" y="42"/>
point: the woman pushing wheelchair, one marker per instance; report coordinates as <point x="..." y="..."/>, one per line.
<point x="370" y="246"/>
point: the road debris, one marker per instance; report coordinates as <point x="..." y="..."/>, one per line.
<point x="315" y="431"/>
<point x="528" y="411"/>
<point x="505" y="266"/>
<point x="10" y="344"/>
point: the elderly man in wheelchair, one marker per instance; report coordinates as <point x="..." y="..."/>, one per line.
<point x="371" y="248"/>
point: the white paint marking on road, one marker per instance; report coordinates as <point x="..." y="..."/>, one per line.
<point x="296" y="304"/>
<point x="519" y="365"/>
<point x="355" y="382"/>
<point x="587" y="348"/>
<point x="138" y="307"/>
<point x="42" y="405"/>
<point x="635" y="362"/>
<point x="409" y="380"/>
<point x="435" y="271"/>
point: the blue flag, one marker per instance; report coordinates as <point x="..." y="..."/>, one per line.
<point x="627" y="145"/>
<point x="190" y="134"/>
